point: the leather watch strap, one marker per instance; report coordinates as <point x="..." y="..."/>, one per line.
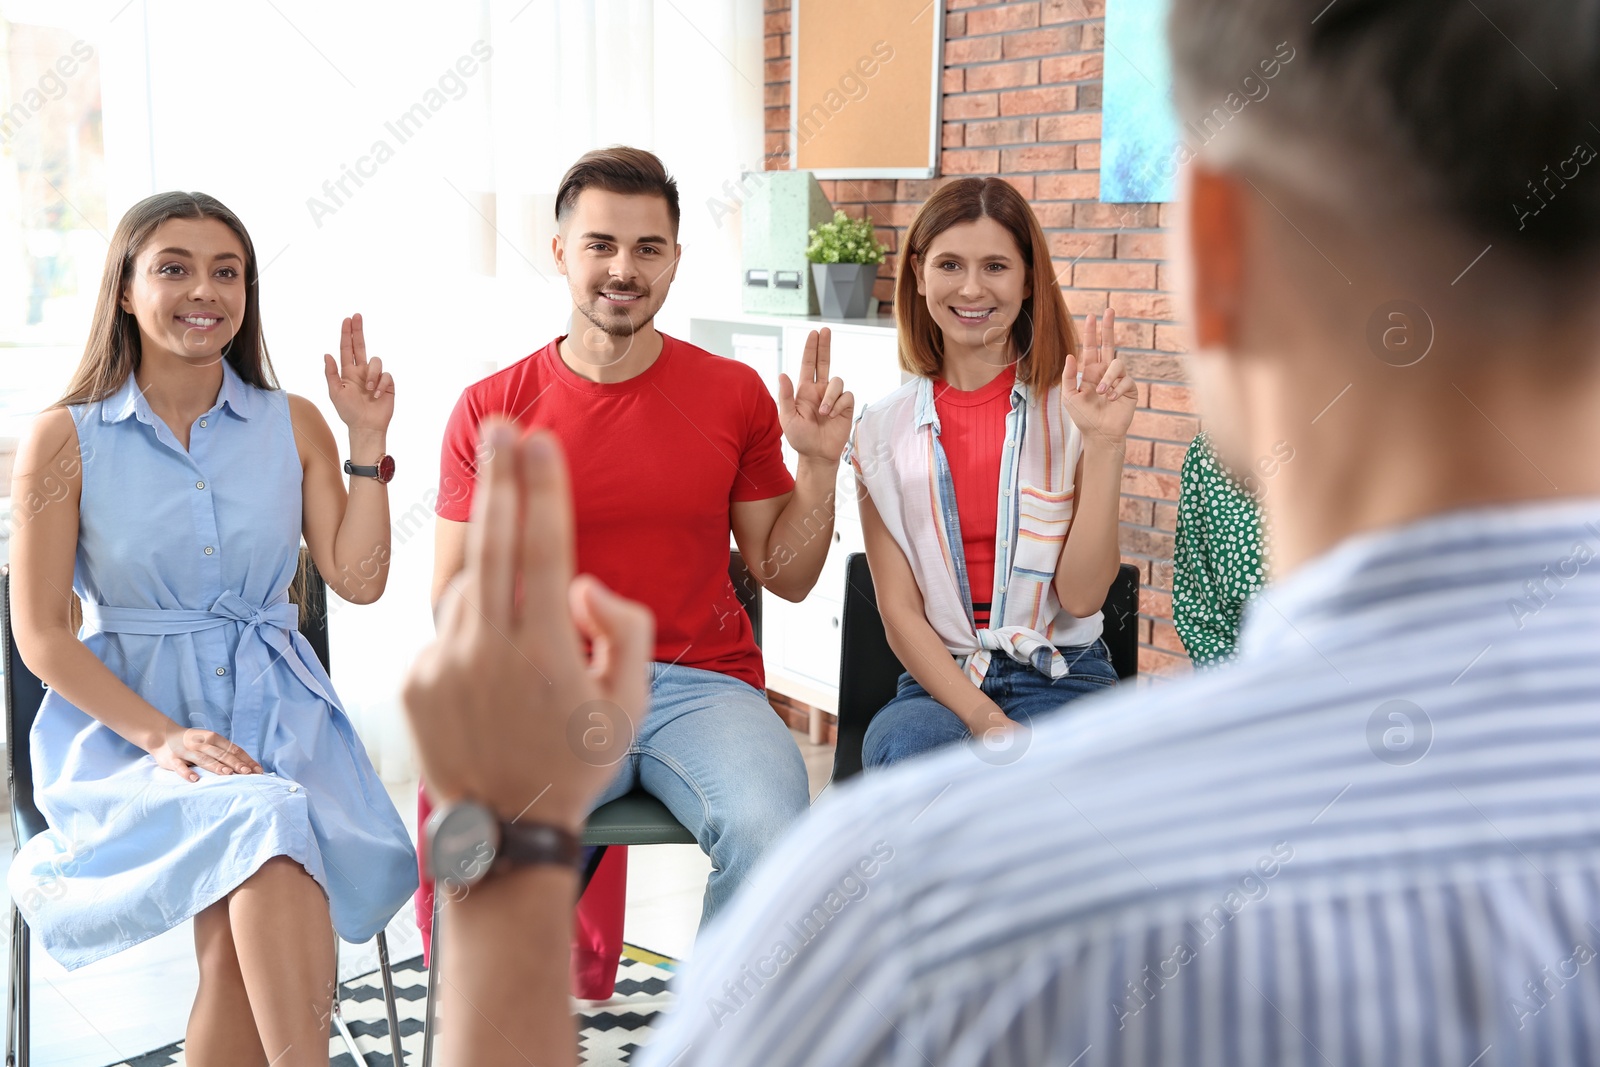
<point x="538" y="844"/>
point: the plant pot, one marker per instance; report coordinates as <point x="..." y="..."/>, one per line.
<point x="844" y="290"/>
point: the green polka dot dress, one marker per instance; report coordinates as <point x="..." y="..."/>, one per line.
<point x="1219" y="556"/>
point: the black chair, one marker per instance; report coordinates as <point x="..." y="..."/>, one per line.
<point x="23" y="694"/>
<point x="636" y="818"/>
<point x="869" y="669"/>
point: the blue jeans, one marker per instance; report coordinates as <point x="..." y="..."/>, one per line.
<point x="913" y="722"/>
<point x="715" y="753"/>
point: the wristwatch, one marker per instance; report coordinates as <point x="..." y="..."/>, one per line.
<point x="383" y="471"/>
<point x="466" y="841"/>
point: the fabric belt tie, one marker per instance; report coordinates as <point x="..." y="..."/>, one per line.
<point x="1028" y="647"/>
<point x="268" y="630"/>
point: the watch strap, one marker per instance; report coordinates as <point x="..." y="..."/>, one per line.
<point x="538" y="844"/>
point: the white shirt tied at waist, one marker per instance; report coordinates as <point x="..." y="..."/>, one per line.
<point x="897" y="458"/>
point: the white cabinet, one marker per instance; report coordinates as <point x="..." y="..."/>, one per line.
<point x="801" y="641"/>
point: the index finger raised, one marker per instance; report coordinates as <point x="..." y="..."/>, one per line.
<point x="545" y="566"/>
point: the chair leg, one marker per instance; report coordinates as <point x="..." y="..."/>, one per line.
<point x="21" y="998"/>
<point x="11" y="992"/>
<point x="338" y="1011"/>
<point x="388" y="1000"/>
<point x="434" y="978"/>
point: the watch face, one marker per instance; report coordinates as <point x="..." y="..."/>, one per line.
<point x="462" y="842"/>
<point x="385" y="468"/>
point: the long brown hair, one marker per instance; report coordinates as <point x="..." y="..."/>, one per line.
<point x="1043" y="335"/>
<point x="112" y="352"/>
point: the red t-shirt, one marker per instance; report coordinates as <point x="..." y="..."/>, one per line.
<point x="656" y="462"/>
<point x="972" y="432"/>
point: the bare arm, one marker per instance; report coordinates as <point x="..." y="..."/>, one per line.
<point x="347" y="533"/>
<point x="912" y="637"/>
<point x="449" y="555"/>
<point x="787" y="537"/>
<point x="47" y="486"/>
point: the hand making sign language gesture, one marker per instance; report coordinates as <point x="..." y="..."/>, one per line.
<point x="1095" y="386"/>
<point x="816" y="418"/>
<point x="361" y="390"/>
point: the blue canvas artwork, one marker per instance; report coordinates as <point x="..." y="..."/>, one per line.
<point x="1139" y="136"/>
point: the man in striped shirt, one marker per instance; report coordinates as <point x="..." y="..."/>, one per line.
<point x="1374" y="840"/>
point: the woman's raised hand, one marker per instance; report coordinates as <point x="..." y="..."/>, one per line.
<point x="1102" y="403"/>
<point x="361" y="390"/>
<point x="816" y="413"/>
<point x="183" y="748"/>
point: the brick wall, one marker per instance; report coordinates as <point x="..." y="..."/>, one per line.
<point x="1022" y="101"/>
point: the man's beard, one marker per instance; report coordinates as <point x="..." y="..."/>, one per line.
<point x="619" y="325"/>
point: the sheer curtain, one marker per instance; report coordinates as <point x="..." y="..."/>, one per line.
<point x="401" y="160"/>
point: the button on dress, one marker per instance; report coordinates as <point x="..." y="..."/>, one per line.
<point x="184" y="563"/>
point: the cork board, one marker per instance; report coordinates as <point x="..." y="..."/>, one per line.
<point x="864" y="87"/>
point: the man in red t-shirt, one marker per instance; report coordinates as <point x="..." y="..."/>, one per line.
<point x="670" y="448"/>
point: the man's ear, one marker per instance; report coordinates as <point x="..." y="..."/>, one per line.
<point x="1214" y="248"/>
<point x="558" y="249"/>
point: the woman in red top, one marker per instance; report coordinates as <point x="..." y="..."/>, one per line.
<point x="990" y="483"/>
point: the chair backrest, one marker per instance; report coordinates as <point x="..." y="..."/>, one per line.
<point x="747" y="589"/>
<point x="869" y="669"/>
<point x="24" y="693"/>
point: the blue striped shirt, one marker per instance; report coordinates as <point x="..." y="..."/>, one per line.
<point x="1374" y="840"/>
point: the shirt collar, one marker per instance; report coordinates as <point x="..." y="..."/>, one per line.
<point x="129" y="401"/>
<point x="927" y="411"/>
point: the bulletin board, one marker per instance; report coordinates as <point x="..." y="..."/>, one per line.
<point x="865" y="87"/>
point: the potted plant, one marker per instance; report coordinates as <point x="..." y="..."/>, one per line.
<point x="844" y="256"/>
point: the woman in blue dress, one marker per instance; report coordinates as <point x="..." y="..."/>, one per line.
<point x="191" y="757"/>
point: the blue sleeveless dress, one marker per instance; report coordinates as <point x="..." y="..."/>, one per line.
<point x="183" y="566"/>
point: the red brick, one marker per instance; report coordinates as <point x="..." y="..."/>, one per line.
<point x="775" y="47"/>
<point x="1149" y="543"/>
<point x="1154" y="602"/>
<point x="1179" y="428"/>
<point x="776" y="22"/>
<point x="1094" y="38"/>
<point x="1077" y="126"/>
<point x="917" y="190"/>
<point x="1135" y="511"/>
<point x="1114" y="275"/>
<point x="1156" y="665"/>
<point x="1004" y="19"/>
<point x="952" y="135"/>
<point x="775" y="95"/>
<point x="970" y="161"/>
<point x="776" y="70"/>
<point x="1136" y="453"/>
<point x="1083" y="66"/>
<point x="955" y="25"/>
<point x="1165" y="281"/>
<point x="1115" y="216"/>
<point x="1172" y="398"/>
<point x="964" y="50"/>
<point x="1022" y="183"/>
<point x="1143" y="566"/>
<point x="1047" y="42"/>
<point x="1144" y="306"/>
<point x="1038" y="101"/>
<point x="1165" y="637"/>
<point x="954" y="80"/>
<point x="1089" y="156"/>
<point x="1166" y="517"/>
<point x="830" y="188"/>
<point x="1054" y="11"/>
<point x="1002" y="131"/>
<point x="777" y="119"/>
<point x="1137" y="482"/>
<point x="888" y="237"/>
<point x="883" y="290"/>
<point x="1167" y="456"/>
<point x="1083" y="302"/>
<point x="971" y="106"/>
<point x="1169" y="215"/>
<point x="1155" y="365"/>
<point x="866" y="188"/>
<point x="1144" y="396"/>
<point x="1141" y="246"/>
<point x="1171" y="339"/>
<point x="1161" y="574"/>
<point x="1075" y="245"/>
<point x="777" y="145"/>
<point x="1038" y="157"/>
<point x="775" y="5"/>
<point x="1001" y="75"/>
<point x="1073" y="185"/>
<point x="1135" y="335"/>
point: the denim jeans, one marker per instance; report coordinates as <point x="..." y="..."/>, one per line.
<point x="913" y="722"/>
<point x="715" y="753"/>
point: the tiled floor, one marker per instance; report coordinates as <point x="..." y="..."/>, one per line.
<point x="139" y="999"/>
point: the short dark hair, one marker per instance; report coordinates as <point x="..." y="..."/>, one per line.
<point x="1441" y="104"/>
<point x="618" y="169"/>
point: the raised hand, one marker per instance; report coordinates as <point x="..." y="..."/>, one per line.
<point x="182" y="749"/>
<point x="505" y="707"/>
<point x="816" y="416"/>
<point x="361" y="390"/>
<point x="1103" y="403"/>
